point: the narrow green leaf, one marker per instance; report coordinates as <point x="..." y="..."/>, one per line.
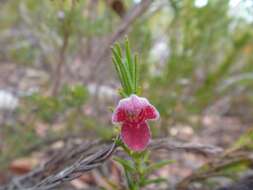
<point x="127" y="87"/>
<point x="157" y="165"/>
<point x="129" y="79"/>
<point x="117" y="68"/>
<point x="135" y="67"/>
<point x="127" y="164"/>
<point x="118" y="49"/>
<point x="121" y="77"/>
<point x="130" y="181"/>
<point x="152" y="181"/>
<point x="122" y="93"/>
<point x="146" y="156"/>
<point x="129" y="59"/>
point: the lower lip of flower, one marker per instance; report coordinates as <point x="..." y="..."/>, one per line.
<point x="136" y="136"/>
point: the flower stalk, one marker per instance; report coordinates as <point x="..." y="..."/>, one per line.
<point x="132" y="113"/>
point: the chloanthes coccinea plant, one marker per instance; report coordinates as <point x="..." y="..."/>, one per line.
<point x="132" y="114"/>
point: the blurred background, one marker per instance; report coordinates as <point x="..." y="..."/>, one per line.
<point x="57" y="80"/>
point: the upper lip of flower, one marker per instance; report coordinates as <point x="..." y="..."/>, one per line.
<point x="134" y="109"/>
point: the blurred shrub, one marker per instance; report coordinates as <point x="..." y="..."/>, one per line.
<point x="38" y="109"/>
<point x="206" y="48"/>
<point x="48" y="107"/>
<point x="191" y="58"/>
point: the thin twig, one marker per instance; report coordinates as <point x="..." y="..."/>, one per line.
<point x="59" y="67"/>
<point x="197" y="148"/>
<point x="66" y="26"/>
<point x="76" y="169"/>
<point x="216" y="165"/>
<point x="72" y="162"/>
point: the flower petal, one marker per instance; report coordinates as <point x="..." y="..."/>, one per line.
<point x="151" y="112"/>
<point x="119" y="115"/>
<point x="143" y="104"/>
<point x="135" y="136"/>
<point x="124" y="107"/>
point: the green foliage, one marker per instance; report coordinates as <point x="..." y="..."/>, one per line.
<point x="126" y="68"/>
<point x="34" y="38"/>
<point x="48" y="107"/>
<point x="205" y="51"/>
<point x="138" y="169"/>
<point x="157" y="165"/>
<point x="15" y="146"/>
<point x="74" y="96"/>
<point x="245" y="141"/>
<point x="18" y="137"/>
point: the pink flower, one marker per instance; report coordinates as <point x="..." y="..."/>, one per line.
<point x="133" y="112"/>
